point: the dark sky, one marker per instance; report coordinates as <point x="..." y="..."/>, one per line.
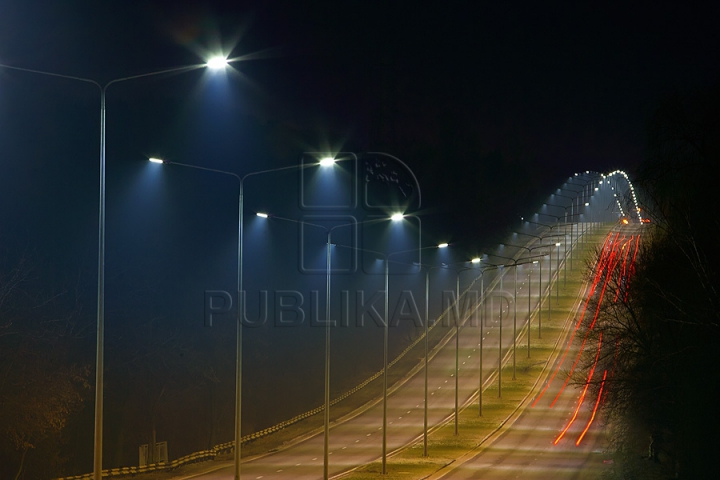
<point x="472" y="95"/>
<point x="492" y="106"/>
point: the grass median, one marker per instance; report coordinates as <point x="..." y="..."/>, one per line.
<point x="443" y="445"/>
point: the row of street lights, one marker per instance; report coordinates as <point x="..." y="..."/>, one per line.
<point x="386" y="258"/>
<point x="324" y="162"/>
<point x="219" y="63"/>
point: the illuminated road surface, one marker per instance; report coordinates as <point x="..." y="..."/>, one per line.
<point x="546" y="440"/>
<point x="525" y="450"/>
<point x="358" y="440"/>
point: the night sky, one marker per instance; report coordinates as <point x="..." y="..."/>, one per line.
<point x="492" y="105"/>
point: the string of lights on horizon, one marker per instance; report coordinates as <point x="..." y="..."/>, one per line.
<point x="632" y="192"/>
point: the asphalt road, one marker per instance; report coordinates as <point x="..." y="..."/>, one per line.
<point x="358" y="440"/>
<point x="546" y="439"/>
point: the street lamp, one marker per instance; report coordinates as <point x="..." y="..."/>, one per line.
<point x="474" y="262"/>
<point x="540" y="295"/>
<point x="550" y="269"/>
<point x="395" y="218"/>
<point x="557" y="274"/>
<point x="386" y="257"/>
<point x="482" y="304"/>
<point x="515" y="306"/>
<point x="427" y="351"/>
<point x="100" y="339"/>
<point x="241" y="302"/>
<point x="558" y="266"/>
<point x="516" y="264"/>
<point x="572" y="228"/>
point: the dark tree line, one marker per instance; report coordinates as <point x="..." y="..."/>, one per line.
<point x="160" y="383"/>
<point x="43" y="383"/>
<point x="661" y="335"/>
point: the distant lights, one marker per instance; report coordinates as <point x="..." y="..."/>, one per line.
<point x="475" y="260"/>
<point x="558" y="244"/>
<point x="632" y="193"/>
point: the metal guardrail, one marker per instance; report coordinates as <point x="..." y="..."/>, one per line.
<point x="204" y="455"/>
<point x="210" y="454"/>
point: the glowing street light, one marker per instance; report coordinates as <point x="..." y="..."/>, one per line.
<point x="328" y="232"/>
<point x="241" y="303"/>
<point x="396" y="217"/>
<point x="327" y="162"/>
<point x="100" y="327"/>
<point x="217" y="63"/>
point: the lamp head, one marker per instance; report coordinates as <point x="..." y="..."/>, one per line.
<point x="396" y="217"/>
<point x="475" y="260"/>
<point x="442" y="245"/>
<point x="263" y="215"/>
<point x="156" y="160"/>
<point x="217" y="63"/>
<point x="327" y="162"/>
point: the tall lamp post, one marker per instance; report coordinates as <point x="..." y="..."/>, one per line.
<point x="572" y="228"/>
<point x="515" y="264"/>
<point x="573" y="200"/>
<point x="325" y="162"/>
<point x="577" y="198"/>
<point x="565" y="225"/>
<point x="481" y="343"/>
<point x="550" y="266"/>
<point x="395" y="218"/>
<point x="530" y="249"/>
<point x="214" y="63"/>
<point x="474" y="261"/>
<point x="540" y="293"/>
<point x="557" y="269"/>
<point x="386" y="258"/>
<point x="427" y="350"/>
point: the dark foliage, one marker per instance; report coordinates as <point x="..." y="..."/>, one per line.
<point x="660" y="336"/>
<point x="42" y="384"/>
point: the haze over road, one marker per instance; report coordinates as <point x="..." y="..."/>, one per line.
<point x="358" y="440"/>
